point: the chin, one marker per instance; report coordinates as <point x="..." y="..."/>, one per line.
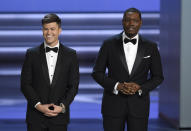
<point x="48" y="43"/>
<point x="131" y="35"/>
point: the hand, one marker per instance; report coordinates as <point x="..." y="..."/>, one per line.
<point x="44" y="108"/>
<point x="128" y="88"/>
<point x="124" y="88"/>
<point x="120" y="86"/>
<point x="57" y="109"/>
<point x="131" y="87"/>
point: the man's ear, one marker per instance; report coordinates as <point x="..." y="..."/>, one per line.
<point x="60" y="30"/>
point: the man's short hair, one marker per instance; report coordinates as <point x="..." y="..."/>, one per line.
<point x="133" y="10"/>
<point x="49" y="18"/>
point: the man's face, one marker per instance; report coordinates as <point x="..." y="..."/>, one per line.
<point x="131" y="23"/>
<point x="51" y="31"/>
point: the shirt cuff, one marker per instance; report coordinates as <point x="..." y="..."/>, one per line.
<point x="37" y="104"/>
<point x="115" y="91"/>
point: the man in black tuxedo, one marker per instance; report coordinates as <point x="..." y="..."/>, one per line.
<point x="130" y="59"/>
<point x="49" y="80"/>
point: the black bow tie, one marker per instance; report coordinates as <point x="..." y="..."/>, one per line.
<point x="133" y="41"/>
<point x="55" y="49"/>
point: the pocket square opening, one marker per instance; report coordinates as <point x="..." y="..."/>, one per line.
<point x="147" y="56"/>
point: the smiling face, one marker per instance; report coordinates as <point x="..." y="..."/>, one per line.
<point x="131" y="23"/>
<point x="51" y="32"/>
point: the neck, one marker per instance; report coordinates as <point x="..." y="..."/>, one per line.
<point x="52" y="44"/>
<point x="130" y="35"/>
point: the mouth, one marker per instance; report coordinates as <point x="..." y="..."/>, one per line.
<point x="131" y="29"/>
<point x="49" y="37"/>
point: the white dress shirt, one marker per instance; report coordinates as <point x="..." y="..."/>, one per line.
<point x="130" y="51"/>
<point x="51" y="59"/>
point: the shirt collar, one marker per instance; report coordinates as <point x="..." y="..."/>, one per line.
<point x="125" y="36"/>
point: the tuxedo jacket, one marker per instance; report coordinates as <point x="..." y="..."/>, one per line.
<point x="36" y="87"/>
<point x="147" y="72"/>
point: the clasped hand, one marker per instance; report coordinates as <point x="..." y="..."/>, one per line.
<point x="128" y="88"/>
<point x="45" y="109"/>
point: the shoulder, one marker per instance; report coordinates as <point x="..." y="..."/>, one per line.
<point x="148" y="43"/>
<point x="67" y="50"/>
<point x="112" y="40"/>
<point x="33" y="50"/>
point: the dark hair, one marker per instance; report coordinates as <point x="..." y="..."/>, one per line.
<point x="132" y="10"/>
<point x="49" y="18"/>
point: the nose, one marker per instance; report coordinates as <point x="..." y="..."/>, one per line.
<point x="48" y="31"/>
<point x="131" y="23"/>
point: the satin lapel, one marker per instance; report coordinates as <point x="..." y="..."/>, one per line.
<point x="139" y="56"/>
<point x="58" y="65"/>
<point x="44" y="63"/>
<point x="122" y="53"/>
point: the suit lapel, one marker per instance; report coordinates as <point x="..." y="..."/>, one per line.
<point x="58" y="65"/>
<point x="122" y="53"/>
<point x="44" y="63"/>
<point x="139" y="56"/>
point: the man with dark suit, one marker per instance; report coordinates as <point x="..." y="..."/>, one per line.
<point x="49" y="80"/>
<point x="129" y="59"/>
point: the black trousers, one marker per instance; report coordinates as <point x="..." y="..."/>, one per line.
<point x="118" y="123"/>
<point x="46" y="126"/>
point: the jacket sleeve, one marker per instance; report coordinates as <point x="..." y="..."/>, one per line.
<point x="99" y="70"/>
<point x="26" y="80"/>
<point x="156" y="73"/>
<point x="72" y="87"/>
